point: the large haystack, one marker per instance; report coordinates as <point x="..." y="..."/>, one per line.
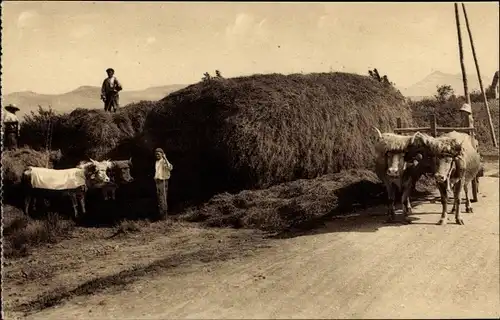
<point x="252" y="132"/>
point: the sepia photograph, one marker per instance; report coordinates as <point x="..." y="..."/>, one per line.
<point x="250" y="160"/>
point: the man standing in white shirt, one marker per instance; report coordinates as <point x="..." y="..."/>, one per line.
<point x="109" y="91"/>
<point x="162" y="174"/>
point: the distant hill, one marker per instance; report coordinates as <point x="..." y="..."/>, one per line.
<point x="427" y="86"/>
<point x="82" y="97"/>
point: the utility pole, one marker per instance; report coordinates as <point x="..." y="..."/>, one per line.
<point x="492" y="130"/>
<point x="469" y="120"/>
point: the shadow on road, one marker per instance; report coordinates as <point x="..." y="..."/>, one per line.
<point x="176" y="262"/>
<point x="368" y="220"/>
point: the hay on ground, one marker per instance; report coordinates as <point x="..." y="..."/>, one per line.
<point x="256" y="131"/>
<point x="292" y="204"/>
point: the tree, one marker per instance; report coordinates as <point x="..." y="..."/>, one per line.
<point x="374" y="74"/>
<point x="217" y="74"/>
<point x="206" y="77"/>
<point x="444" y="93"/>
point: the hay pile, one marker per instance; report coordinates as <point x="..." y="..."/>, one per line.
<point x="256" y="131"/>
<point x="14" y="162"/>
<point x="85" y="133"/>
<point x="293" y="204"/>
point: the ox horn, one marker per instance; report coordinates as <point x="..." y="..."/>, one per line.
<point x="378" y="132"/>
<point x="412" y="140"/>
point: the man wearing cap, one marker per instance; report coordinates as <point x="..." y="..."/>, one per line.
<point x="162" y="174"/>
<point x="109" y="91"/>
<point x="10" y="127"/>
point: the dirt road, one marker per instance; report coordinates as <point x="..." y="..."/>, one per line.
<point x="353" y="268"/>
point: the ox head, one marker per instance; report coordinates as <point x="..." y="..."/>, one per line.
<point x="121" y="171"/>
<point x="448" y="160"/>
<point x="99" y="174"/>
<point x="394" y="153"/>
<point x="400" y="152"/>
<point x="396" y="163"/>
<point x="446" y="165"/>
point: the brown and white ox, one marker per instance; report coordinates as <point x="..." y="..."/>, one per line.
<point x="457" y="163"/>
<point x="400" y="163"/>
<point x="74" y="182"/>
<point x="119" y="174"/>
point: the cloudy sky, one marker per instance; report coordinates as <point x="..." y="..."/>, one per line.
<point x="55" y="47"/>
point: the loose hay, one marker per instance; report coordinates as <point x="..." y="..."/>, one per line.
<point x="257" y="131"/>
<point x="292" y="204"/>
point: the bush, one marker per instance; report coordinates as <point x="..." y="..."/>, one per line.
<point x="253" y="132"/>
<point x="448" y="115"/>
<point x="20" y="233"/>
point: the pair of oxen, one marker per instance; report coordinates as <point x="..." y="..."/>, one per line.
<point x="452" y="159"/>
<point x="106" y="175"/>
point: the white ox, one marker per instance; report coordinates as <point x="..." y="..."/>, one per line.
<point x="73" y="182"/>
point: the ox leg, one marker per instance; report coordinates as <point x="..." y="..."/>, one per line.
<point x="405" y="201"/>
<point x="82" y="203"/>
<point x="468" y="208"/>
<point x="75" y="204"/>
<point x="391" y="210"/>
<point x="34" y="203"/>
<point x="27" y="203"/>
<point x="444" y="203"/>
<point x="456" y="192"/>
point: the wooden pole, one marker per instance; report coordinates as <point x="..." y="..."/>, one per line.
<point x="492" y="130"/>
<point x="469" y="120"/>
<point x="433" y="121"/>
<point x="461" y="53"/>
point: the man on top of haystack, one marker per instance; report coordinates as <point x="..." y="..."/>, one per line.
<point x="109" y="91"/>
<point x="10" y="126"/>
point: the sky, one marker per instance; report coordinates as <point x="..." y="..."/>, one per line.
<point x="54" y="47"/>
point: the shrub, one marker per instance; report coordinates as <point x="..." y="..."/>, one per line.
<point x="20" y="233"/>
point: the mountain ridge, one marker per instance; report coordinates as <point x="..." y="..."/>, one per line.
<point x="84" y="96"/>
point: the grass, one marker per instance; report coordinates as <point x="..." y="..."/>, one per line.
<point x="21" y="234"/>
